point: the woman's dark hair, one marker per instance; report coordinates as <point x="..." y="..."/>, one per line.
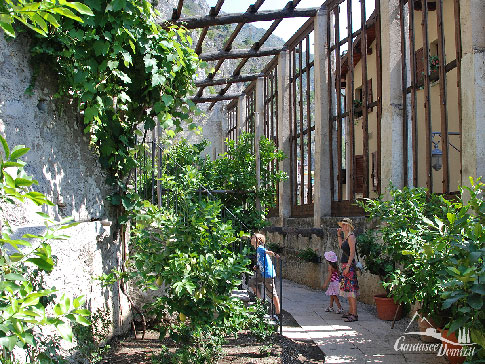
<point x="333" y="265"/>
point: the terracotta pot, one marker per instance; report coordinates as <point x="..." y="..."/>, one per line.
<point x="424" y="324"/>
<point x="453" y="359"/>
<point x="386" y="308"/>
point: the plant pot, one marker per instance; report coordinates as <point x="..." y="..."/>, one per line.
<point x="453" y="359"/>
<point x="424" y="324"/>
<point x="386" y="308"/>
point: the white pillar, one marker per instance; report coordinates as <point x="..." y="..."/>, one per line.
<point x="323" y="161"/>
<point x="284" y="188"/>
<point x="392" y="160"/>
<point x="258" y="132"/>
<point x="473" y="88"/>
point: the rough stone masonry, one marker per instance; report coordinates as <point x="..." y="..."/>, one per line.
<point x="69" y="174"/>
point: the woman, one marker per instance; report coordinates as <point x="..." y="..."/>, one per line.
<point x="349" y="286"/>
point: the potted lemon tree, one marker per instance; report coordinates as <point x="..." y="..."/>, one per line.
<point x="399" y="248"/>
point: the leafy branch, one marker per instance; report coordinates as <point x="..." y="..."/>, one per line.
<point x="39" y="15"/>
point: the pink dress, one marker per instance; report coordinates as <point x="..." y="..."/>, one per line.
<point x="334" y="285"/>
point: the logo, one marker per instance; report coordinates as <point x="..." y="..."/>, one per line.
<point x="445" y="345"/>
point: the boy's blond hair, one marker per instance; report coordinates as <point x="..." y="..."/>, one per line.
<point x="260" y="238"/>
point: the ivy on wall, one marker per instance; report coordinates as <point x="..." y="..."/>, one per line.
<point x="124" y="71"/>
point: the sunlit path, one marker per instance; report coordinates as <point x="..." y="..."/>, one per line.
<point x="368" y="340"/>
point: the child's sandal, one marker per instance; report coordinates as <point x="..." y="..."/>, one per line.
<point x="351" y="318"/>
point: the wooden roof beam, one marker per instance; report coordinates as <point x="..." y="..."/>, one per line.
<point x="257" y="45"/>
<point x="228" y="44"/>
<point x="241" y="53"/>
<point x="213" y="12"/>
<point x="247" y="17"/>
<point x="201" y="100"/>
<point x="229" y="80"/>
<point x="177" y="11"/>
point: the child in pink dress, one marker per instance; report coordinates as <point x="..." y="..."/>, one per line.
<point x="332" y="282"/>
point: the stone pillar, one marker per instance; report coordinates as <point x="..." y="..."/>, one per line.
<point x="241" y="115"/>
<point x="221" y="129"/>
<point x="258" y="132"/>
<point x="284" y="188"/>
<point x="323" y="162"/>
<point x="392" y="142"/>
<point x="473" y="88"/>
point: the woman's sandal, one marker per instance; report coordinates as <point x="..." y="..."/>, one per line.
<point x="351" y="318"/>
<point x="345" y="315"/>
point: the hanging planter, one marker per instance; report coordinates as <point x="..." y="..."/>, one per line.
<point x="386" y="308"/>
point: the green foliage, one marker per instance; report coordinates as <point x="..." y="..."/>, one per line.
<point x="39" y="15"/>
<point x="123" y="71"/>
<point x="204" y="345"/>
<point x="186" y="246"/>
<point x="265" y="350"/>
<point x="274" y="247"/>
<point x="235" y="171"/>
<point x="437" y="246"/>
<point x="188" y="252"/>
<point x="372" y="250"/>
<point x="91" y="340"/>
<point x="403" y="233"/>
<point x="191" y="254"/>
<point x="461" y="235"/>
<point x="23" y="301"/>
<point x="308" y="255"/>
<point x="258" y="324"/>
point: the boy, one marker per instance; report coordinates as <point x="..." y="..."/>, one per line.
<point x="266" y="270"/>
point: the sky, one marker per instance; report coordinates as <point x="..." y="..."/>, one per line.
<point x="288" y="27"/>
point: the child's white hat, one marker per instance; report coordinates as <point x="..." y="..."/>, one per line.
<point x="331" y="256"/>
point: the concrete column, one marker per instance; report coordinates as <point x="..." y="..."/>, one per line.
<point x="323" y="162"/>
<point x="392" y="142"/>
<point x="221" y="127"/>
<point x="473" y="88"/>
<point x="241" y="115"/>
<point x="284" y="188"/>
<point x="258" y="132"/>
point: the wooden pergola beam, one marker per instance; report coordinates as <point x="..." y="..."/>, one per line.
<point x="213" y="12"/>
<point x="257" y="45"/>
<point x="247" y="17"/>
<point x="228" y="44"/>
<point x="229" y="80"/>
<point x="177" y="11"/>
<point x="200" y="100"/>
<point x="241" y="53"/>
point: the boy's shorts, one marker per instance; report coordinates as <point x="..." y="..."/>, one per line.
<point x="269" y="284"/>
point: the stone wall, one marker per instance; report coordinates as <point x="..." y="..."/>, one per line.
<point x="314" y="274"/>
<point x="69" y="174"/>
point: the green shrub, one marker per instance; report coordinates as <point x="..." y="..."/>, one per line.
<point x="24" y="300"/>
<point x="309" y="255"/>
<point x="274" y="247"/>
<point x="437" y="247"/>
<point x="258" y="324"/>
<point x="91" y="340"/>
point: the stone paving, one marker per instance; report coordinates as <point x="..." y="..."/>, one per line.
<point x="368" y="340"/>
